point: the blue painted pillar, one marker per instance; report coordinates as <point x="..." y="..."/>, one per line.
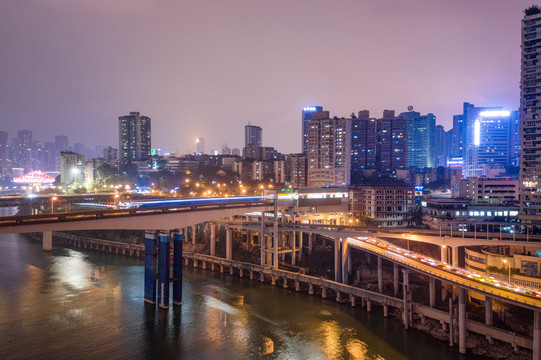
<point x="163" y="271"/>
<point x="178" y="239"/>
<point x="150" y="266"/>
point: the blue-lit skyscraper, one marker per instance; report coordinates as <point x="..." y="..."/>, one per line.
<point x="488" y="142"/>
<point x="306" y="117"/>
<point x="421" y="137"/>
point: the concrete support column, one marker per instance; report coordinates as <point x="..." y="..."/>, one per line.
<point x="536" y="335"/>
<point x="310" y="289"/>
<point x="337" y="276"/>
<point x="262" y="238"/>
<point x="231" y="271"/>
<point x="324" y="293"/>
<point x="297" y="285"/>
<point x="368" y="306"/>
<point x="212" y="239"/>
<point x="455" y="255"/>
<point x="352" y="300"/>
<point x="432" y="291"/>
<point x="275" y="236"/>
<point x="405" y="290"/>
<point x="293" y="247"/>
<point x="151" y="260"/>
<point x="461" y="321"/>
<point x="300" y="245"/>
<point x="380" y="275"/>
<point x="385" y="310"/>
<point x="164" y="258"/>
<point x="444" y="253"/>
<point x="395" y="279"/>
<point x="310" y="243"/>
<point x="194" y="232"/>
<point x="345" y="256"/>
<point x="451" y="323"/>
<point x="47" y="240"/>
<point x="443" y="291"/>
<point x="488" y="310"/>
<point x="228" y="243"/>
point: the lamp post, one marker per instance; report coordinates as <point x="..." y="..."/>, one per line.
<point x="75" y="171"/>
<point x="505" y="261"/>
<point x="52" y="204"/>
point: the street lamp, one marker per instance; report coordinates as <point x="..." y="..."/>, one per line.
<point x="75" y="171"/>
<point x="505" y="261"/>
<point x="52" y="204"/>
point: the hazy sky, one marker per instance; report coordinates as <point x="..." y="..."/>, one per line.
<point x="207" y="68"/>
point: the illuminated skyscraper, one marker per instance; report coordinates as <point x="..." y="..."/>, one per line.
<point x="329" y="151"/>
<point x="530" y="122"/>
<point x="421" y="138"/>
<point x="391" y="142"/>
<point x="200" y="145"/>
<point x="306" y="117"/>
<point x="253" y="135"/>
<point x="134" y="138"/>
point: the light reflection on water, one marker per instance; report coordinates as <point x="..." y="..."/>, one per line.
<point x="73" y="305"/>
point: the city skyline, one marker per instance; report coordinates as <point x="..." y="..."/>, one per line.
<point x="81" y="83"/>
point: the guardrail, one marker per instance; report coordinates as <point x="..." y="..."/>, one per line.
<point x="21" y="220"/>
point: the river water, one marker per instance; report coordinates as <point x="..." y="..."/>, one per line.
<point x="69" y="304"/>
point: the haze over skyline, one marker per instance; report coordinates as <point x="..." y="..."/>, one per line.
<point x="206" y="69"/>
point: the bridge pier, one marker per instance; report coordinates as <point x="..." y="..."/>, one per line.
<point x="212" y="239"/>
<point x="488" y="310"/>
<point x="395" y="279"/>
<point x="345" y="257"/>
<point x="432" y="291"/>
<point x="310" y="243"/>
<point x="461" y="321"/>
<point x="300" y="245"/>
<point x="47" y="241"/>
<point x="228" y="243"/>
<point x="536" y="335"/>
<point x="444" y="253"/>
<point x="451" y="323"/>
<point x="194" y="233"/>
<point x="150" y="265"/>
<point x="380" y="275"/>
<point x="455" y="255"/>
<point x="405" y="290"/>
<point x="293" y="247"/>
<point x="337" y="277"/>
<point x="275" y="237"/>
<point x="178" y="239"/>
<point x="163" y="270"/>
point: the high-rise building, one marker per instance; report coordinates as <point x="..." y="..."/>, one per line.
<point x="363" y="144"/>
<point x="253" y="135"/>
<point x="3" y="152"/>
<point x="391" y="142"/>
<point x="61" y="144"/>
<point x="72" y="167"/>
<point x="487" y="144"/>
<point x="306" y="117"/>
<point x="23" y="150"/>
<point x="134" y="138"/>
<point x="530" y="121"/>
<point x="329" y="150"/>
<point x="200" y="145"/>
<point x="421" y="138"/>
<point x="514" y="139"/>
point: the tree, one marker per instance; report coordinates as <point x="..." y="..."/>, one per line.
<point x="532" y="10"/>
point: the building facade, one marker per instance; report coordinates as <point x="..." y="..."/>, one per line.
<point x="421" y="139"/>
<point x="306" y="117"/>
<point x="386" y="205"/>
<point x="329" y="150"/>
<point x="530" y="121"/>
<point x="363" y="144"/>
<point x="253" y="136"/>
<point x="135" y="138"/>
<point x="391" y="142"/>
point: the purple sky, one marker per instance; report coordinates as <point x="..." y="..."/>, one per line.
<point x="207" y="68"/>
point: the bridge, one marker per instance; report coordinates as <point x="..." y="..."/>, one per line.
<point x="162" y="226"/>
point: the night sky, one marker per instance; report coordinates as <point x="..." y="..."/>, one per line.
<point x="207" y="68"/>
